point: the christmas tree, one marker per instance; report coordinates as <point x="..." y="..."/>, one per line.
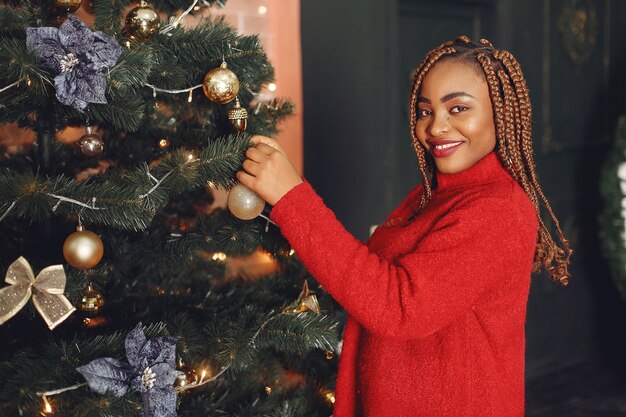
<point x="122" y="295"/>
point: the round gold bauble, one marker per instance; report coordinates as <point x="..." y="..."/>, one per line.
<point x="83" y="249"/>
<point x="238" y="116"/>
<point x="91" y="144"/>
<point x="244" y="203"/>
<point x="92" y="301"/>
<point x="66" y="6"/>
<point x="142" y="23"/>
<point x="221" y="85"/>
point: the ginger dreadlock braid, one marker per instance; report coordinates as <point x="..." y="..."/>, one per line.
<point x="512" y="120"/>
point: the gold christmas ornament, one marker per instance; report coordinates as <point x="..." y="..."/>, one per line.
<point x="307" y="301"/>
<point x="221" y="85"/>
<point x="66" y="6"/>
<point x="92" y="301"/>
<point x="142" y="23"/>
<point x="244" y="203"/>
<point x="46" y="290"/>
<point x="83" y="249"/>
<point x="238" y="116"/>
<point x="90" y="144"/>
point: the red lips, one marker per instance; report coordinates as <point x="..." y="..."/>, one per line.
<point x="440" y="148"/>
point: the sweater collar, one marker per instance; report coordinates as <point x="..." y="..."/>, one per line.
<point x="487" y="170"/>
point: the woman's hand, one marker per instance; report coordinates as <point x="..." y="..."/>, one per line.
<point x="267" y="170"/>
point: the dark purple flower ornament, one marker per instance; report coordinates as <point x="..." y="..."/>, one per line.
<point x="77" y="57"/>
<point x="151" y="371"/>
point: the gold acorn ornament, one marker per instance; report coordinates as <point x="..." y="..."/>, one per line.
<point x="90" y="144"/>
<point x="244" y="203"/>
<point x="92" y="301"/>
<point x="66" y="6"/>
<point x="238" y="116"/>
<point x="221" y="85"/>
<point x="142" y="23"/>
<point x="83" y="249"/>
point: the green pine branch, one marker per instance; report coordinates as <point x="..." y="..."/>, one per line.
<point x="127" y="199"/>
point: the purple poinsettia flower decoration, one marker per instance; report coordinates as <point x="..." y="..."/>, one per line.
<point x="77" y="57"/>
<point x="151" y="371"/>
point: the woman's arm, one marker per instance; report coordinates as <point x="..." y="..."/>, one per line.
<point x="471" y="251"/>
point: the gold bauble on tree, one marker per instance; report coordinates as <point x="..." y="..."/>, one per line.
<point x="238" y="116"/>
<point x="244" y="203"/>
<point x="66" y="6"/>
<point x="83" y="249"/>
<point x="221" y="85"/>
<point x="142" y="23"/>
<point x="90" y="144"/>
<point x="92" y="301"/>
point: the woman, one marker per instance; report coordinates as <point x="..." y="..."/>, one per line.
<point x="437" y="296"/>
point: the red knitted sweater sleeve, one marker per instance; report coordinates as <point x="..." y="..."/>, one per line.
<point x="460" y="261"/>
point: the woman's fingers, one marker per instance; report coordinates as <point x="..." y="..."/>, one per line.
<point x="255" y="154"/>
<point x="267" y="141"/>
<point x="245" y="179"/>
<point x="251" y="167"/>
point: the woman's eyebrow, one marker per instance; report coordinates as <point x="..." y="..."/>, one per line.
<point x="454" y="95"/>
<point x="447" y="97"/>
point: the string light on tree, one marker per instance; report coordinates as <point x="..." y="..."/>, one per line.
<point x="83" y="249"/>
<point x="244" y="203"/>
<point x="221" y="85"/>
<point x="47" y="407"/>
<point x="90" y="144"/>
<point x="142" y="23"/>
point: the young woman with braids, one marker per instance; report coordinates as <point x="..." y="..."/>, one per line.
<point x="437" y="296"/>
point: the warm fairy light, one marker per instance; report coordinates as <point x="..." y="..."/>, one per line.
<point x="262" y="9"/>
<point x="47" y="407"/>
<point x="329" y="396"/>
<point x="268" y="390"/>
<point x="190" y="156"/>
<point x="196" y="8"/>
<point x="202" y="375"/>
<point x="190" y="97"/>
<point x="291" y="252"/>
<point x="211" y="184"/>
<point x="128" y="44"/>
<point x="29" y="82"/>
<point x="164" y="143"/>
<point x="271" y="87"/>
<point x="219" y="256"/>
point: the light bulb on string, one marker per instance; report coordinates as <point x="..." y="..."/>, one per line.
<point x="47" y="407"/>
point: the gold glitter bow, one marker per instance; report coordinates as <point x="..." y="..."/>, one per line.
<point x="47" y="291"/>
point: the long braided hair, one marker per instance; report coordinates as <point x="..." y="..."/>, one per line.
<point x="512" y="117"/>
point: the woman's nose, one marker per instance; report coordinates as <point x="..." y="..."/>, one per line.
<point x="438" y="124"/>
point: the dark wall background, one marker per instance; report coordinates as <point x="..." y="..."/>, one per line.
<point x="358" y="58"/>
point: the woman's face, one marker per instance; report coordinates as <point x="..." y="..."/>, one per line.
<point x="454" y="117"/>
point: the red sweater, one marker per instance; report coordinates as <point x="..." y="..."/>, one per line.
<point x="436" y="307"/>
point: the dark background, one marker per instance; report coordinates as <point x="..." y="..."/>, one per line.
<point x="358" y="59"/>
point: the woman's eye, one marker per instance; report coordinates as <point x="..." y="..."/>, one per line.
<point x="458" y="109"/>
<point x="422" y="113"/>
